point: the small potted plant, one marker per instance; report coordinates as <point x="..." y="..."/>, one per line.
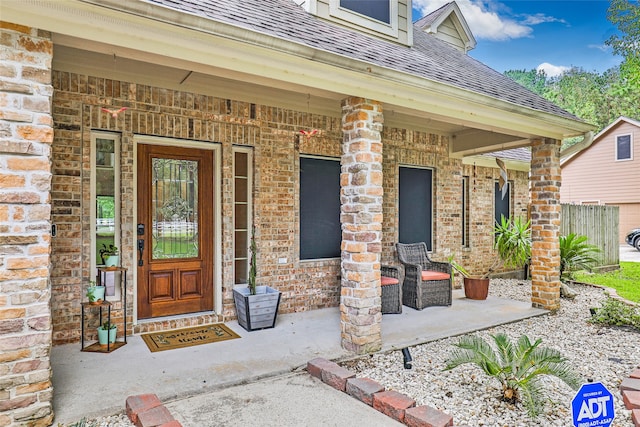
<point x="109" y="254"/>
<point x="513" y="244"/>
<point x="107" y="331"/>
<point x="256" y="306"/>
<point x="95" y="294"/>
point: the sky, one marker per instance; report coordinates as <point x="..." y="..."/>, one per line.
<point x="536" y="34"/>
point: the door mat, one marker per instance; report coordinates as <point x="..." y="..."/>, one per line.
<point x="186" y="337"/>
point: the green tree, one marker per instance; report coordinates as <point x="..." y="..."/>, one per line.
<point x="535" y="81"/>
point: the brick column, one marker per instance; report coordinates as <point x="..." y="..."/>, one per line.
<point x="545" y="223"/>
<point x="26" y="134"/>
<point x="361" y="218"/>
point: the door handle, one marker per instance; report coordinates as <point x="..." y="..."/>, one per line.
<point x="140" y="251"/>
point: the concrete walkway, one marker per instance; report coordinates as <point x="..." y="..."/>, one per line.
<point x="92" y="384"/>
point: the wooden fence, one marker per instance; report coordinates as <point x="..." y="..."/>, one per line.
<point x="599" y="223"/>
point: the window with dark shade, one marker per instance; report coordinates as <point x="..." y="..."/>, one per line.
<point x="320" y="231"/>
<point x="465" y="211"/>
<point x="623" y="147"/>
<point x="376" y="9"/>
<point x="415" y="205"/>
<point x="502" y="205"/>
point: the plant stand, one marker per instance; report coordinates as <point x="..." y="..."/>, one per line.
<point x="256" y="311"/>
<point x="96" y="347"/>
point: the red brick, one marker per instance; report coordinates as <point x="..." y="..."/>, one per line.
<point x="393" y="404"/>
<point x="635" y="417"/>
<point x="140" y="403"/>
<point x="337" y="376"/>
<point x="174" y="423"/>
<point x="631" y="399"/>
<point x="426" y="416"/>
<point x="363" y="389"/>
<point x="154" y="417"/>
<point x="630" y="384"/>
<point x="317" y="365"/>
<point x="635" y="374"/>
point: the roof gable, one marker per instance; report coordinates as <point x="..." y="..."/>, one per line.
<point x="578" y="149"/>
<point x="448" y="24"/>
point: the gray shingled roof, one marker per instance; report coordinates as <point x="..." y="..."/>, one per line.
<point x="522" y="154"/>
<point x="432" y="17"/>
<point x="428" y="58"/>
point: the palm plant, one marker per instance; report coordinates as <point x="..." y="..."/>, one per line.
<point x="519" y="367"/>
<point x="513" y="241"/>
<point x="576" y="254"/>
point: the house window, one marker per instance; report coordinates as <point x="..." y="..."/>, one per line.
<point x="242" y="212"/>
<point x="624" y="147"/>
<point x="320" y="230"/>
<point x="376" y="9"/>
<point x="502" y="205"/>
<point x="105" y="211"/>
<point x="415" y="205"/>
<point x="377" y="15"/>
<point x="464" y="223"/>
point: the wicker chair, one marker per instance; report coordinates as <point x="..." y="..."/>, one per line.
<point x="391" y="289"/>
<point x="426" y="283"/>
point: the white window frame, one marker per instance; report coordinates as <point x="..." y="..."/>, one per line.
<point x="365" y="21"/>
<point x="249" y="152"/>
<point x="630" y="135"/>
<point x="116" y="137"/>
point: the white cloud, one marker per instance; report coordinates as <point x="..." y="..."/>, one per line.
<point x="602" y="47"/>
<point x="552" y="70"/>
<point x="487" y="23"/>
<point x="540" y="18"/>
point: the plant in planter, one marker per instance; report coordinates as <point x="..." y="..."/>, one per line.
<point x="107" y="331"/>
<point x="109" y="254"/>
<point x="513" y="245"/>
<point x="256" y="306"/>
<point x="95" y="294"/>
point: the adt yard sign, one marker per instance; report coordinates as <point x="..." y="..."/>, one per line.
<point x="593" y="406"/>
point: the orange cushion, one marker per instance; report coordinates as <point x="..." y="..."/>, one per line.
<point x="384" y="281"/>
<point x="434" y="275"/>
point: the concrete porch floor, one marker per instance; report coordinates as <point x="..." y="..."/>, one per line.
<point x="93" y="384"/>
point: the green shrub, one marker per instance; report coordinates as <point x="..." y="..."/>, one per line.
<point x="519" y="367"/>
<point x="616" y="313"/>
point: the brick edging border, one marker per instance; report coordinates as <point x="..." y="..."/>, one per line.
<point x="630" y="391"/>
<point x="396" y="405"/>
<point x="146" y="410"/>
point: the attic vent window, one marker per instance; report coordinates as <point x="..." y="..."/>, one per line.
<point x="624" y="147"/>
<point x="377" y="9"/>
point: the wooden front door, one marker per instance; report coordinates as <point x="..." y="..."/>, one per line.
<point x="175" y="230"/>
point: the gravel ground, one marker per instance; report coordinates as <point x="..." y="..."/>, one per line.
<point x="602" y="354"/>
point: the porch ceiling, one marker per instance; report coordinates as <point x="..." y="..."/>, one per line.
<point x="103" y="60"/>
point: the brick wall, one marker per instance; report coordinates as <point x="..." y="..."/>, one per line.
<point x="274" y="134"/>
<point x="25" y="180"/>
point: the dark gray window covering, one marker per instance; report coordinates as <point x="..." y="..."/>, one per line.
<point x="623" y="149"/>
<point x="415" y="207"/>
<point x="320" y="231"/>
<point x="376" y="9"/>
<point x="502" y="206"/>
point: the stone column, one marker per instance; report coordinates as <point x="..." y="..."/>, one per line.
<point x="26" y="134"/>
<point x="545" y="223"/>
<point x="361" y="218"/>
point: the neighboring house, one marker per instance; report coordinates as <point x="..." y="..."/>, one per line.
<point x="173" y="128"/>
<point x="607" y="172"/>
